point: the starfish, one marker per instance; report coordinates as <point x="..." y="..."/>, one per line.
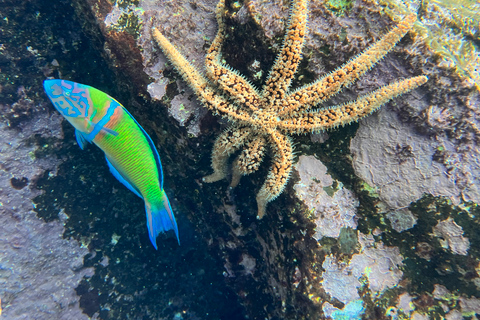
<point x="264" y="118"/>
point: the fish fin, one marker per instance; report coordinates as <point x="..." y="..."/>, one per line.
<point x="120" y="178"/>
<point x="81" y="139"/>
<point x="160" y="219"/>
<point x="110" y="131"/>
<point x="107" y="130"/>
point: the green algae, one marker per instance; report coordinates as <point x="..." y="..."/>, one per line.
<point x="126" y="3"/>
<point x="348" y="240"/>
<point x="128" y="21"/>
<point x="339" y="7"/>
<point x="372" y="191"/>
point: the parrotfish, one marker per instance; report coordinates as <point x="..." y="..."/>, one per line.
<point x="130" y="152"/>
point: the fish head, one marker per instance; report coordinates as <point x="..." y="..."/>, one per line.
<point x="73" y="101"/>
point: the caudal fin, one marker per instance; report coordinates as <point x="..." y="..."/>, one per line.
<point x="160" y="218"/>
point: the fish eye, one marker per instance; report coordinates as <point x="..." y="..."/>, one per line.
<point x="67" y="93"/>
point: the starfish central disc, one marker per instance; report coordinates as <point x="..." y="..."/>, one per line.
<point x="266" y="120"/>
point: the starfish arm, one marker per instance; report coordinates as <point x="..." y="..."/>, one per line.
<point x="199" y="84"/>
<point x="220" y="105"/>
<point x="324" y="88"/>
<point x="335" y="116"/>
<point x="279" y="172"/>
<point x="214" y="55"/>
<point x="228" y="80"/>
<point x="249" y="160"/>
<point x="226" y="144"/>
<point x="285" y="66"/>
<point x="188" y="72"/>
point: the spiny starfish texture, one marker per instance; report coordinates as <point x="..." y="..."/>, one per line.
<point x="264" y="118"/>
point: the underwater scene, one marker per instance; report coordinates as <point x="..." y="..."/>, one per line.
<point x="231" y="160"/>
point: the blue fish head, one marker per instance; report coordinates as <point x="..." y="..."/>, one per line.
<point x="71" y="99"/>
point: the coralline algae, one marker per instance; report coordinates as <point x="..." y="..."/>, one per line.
<point x="378" y="263"/>
<point x="333" y="207"/>
<point x="451" y="237"/>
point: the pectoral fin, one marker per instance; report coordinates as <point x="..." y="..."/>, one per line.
<point x="110" y="131"/>
<point x="102" y="128"/>
<point x="120" y="178"/>
<point x="81" y="139"/>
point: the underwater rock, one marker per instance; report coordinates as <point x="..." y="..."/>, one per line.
<point x="339" y="282"/>
<point x="404" y="303"/>
<point x="390" y="156"/>
<point x="424" y="250"/>
<point x="381" y="267"/>
<point x="334" y="207"/>
<point x="419" y="316"/>
<point x="424" y="142"/>
<point x="271" y="16"/>
<point x="379" y="264"/>
<point x="401" y="219"/>
<point x="39" y="269"/>
<point x="461" y="306"/>
<point x="451" y="236"/>
<point x="421" y="145"/>
<point x="177" y="18"/>
<point x="403" y="165"/>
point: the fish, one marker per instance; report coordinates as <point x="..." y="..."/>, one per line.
<point x="130" y="152"/>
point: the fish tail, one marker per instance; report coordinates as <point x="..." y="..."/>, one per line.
<point x="160" y="218"/>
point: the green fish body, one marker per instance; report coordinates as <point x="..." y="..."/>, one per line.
<point x="129" y="151"/>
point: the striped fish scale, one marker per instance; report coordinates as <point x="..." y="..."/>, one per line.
<point x="129" y="147"/>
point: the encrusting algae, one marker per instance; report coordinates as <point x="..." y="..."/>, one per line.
<point x="265" y="117"/>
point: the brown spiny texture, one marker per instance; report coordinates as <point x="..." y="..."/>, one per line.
<point x="265" y="118"/>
